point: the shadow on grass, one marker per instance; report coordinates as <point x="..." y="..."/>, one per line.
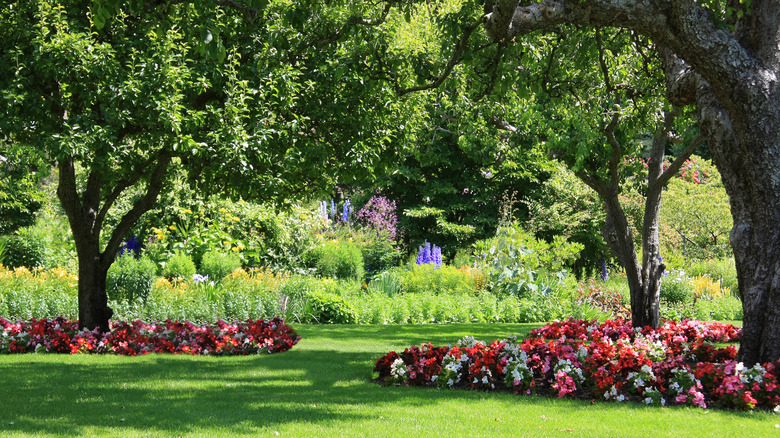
<point x="171" y="395"/>
<point x="318" y="382"/>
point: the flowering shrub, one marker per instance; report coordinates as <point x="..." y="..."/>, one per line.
<point x="675" y="364"/>
<point x="60" y="335"/>
<point x="379" y="213"/>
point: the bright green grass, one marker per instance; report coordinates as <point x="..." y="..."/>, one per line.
<point x="322" y="387"/>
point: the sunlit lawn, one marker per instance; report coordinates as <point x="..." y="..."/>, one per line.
<point x="322" y="387"/>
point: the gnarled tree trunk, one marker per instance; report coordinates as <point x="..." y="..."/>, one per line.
<point x="730" y="70"/>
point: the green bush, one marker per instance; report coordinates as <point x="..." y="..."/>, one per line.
<point x="180" y="265"/>
<point x="338" y="260"/>
<point x="722" y="270"/>
<point x="676" y="288"/>
<point x="518" y="264"/>
<point x="217" y="265"/>
<point x="379" y="254"/>
<point x="26" y="248"/>
<point x="443" y="280"/>
<point x="328" y="308"/>
<point x="130" y="279"/>
<point x="388" y="283"/>
<point x="719" y="309"/>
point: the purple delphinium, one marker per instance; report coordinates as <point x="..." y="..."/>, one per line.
<point x="604" y="272"/>
<point x="197" y="278"/>
<point x="345" y="211"/>
<point x="436" y="256"/>
<point x="427" y="254"/>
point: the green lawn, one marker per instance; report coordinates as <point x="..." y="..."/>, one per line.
<point x="321" y="387"/>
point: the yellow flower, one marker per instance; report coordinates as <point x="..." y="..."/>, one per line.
<point x="222" y="210"/>
<point x="172" y="228"/>
<point x="236" y="219"/>
<point x="234" y="249"/>
<point x="187" y="211"/>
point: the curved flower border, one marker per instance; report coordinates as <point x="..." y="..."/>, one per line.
<point x="60" y="335"/>
<point x="677" y="363"/>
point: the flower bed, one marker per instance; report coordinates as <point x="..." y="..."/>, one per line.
<point x="132" y="338"/>
<point x="675" y="364"/>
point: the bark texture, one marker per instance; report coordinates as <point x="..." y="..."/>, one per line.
<point x="730" y="72"/>
<point x="86" y="211"/>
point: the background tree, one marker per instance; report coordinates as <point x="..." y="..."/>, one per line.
<point x="21" y="170"/>
<point x="115" y="93"/>
<point x="589" y="115"/>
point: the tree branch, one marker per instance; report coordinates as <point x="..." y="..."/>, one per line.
<point x="684" y="26"/>
<point x="139" y="208"/>
<point x="120" y="187"/>
<point x="680" y="160"/>
<point x="460" y="47"/>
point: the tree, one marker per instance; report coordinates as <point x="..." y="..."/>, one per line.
<point x="726" y="62"/>
<point x="721" y="57"/>
<point x="21" y="169"/>
<point x="117" y="92"/>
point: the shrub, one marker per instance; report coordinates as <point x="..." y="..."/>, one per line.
<point x="337" y="259"/>
<point x="217" y="265"/>
<point x="180" y="265"/>
<point x="328" y="308"/>
<point x="444" y="280"/>
<point x="518" y="264"/>
<point x="26" y="248"/>
<point x="130" y="279"/>
<point x="379" y="254"/>
<point x="721" y="270"/>
<point x="677" y="288"/>
<point x="388" y="283"/>
<point x="719" y="309"/>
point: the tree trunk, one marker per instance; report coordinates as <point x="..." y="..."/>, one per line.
<point x="86" y="212"/>
<point x="746" y="150"/>
<point x="93" y="299"/>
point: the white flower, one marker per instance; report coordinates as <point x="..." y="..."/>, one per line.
<point x="450" y="382"/>
<point x="648" y="400"/>
<point x="485" y="380"/>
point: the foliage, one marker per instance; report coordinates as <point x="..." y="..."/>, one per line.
<point x="676" y="288"/>
<point x="130" y="279"/>
<point x="337" y="259"/>
<point x="179" y="266"/>
<point x="606" y="299"/>
<point x="444" y="280"/>
<point x="564" y="206"/>
<point x="328" y="308"/>
<point x="517" y="263"/>
<point x="25" y="248"/>
<point x="387" y="282"/>
<point x="218" y="265"/>
<point x="721" y="270"/>
<point x="37" y="293"/>
<point x="21" y="171"/>
<point x="696" y="214"/>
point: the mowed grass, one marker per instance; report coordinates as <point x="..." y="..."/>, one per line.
<point x="322" y="387"/>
